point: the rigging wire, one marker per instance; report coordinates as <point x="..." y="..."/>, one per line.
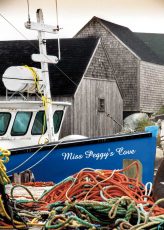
<point x="16" y="29"/>
<point x="34" y="46"/>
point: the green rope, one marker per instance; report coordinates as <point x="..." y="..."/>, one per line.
<point x="29" y="192"/>
<point x="75" y="218"/>
<point x="116" y="213"/>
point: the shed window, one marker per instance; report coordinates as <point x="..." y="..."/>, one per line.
<point x="4" y="122"/>
<point x="21" y="123"/>
<point x="101" y="105"/>
<point x="40" y="124"/>
<point x="57" y="118"/>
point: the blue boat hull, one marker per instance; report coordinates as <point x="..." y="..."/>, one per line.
<point x="55" y="161"/>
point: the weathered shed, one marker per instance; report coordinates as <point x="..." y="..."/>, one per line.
<point x="83" y="76"/>
<point x="138" y="70"/>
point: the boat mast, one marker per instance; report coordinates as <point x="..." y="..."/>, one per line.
<point x="44" y="59"/>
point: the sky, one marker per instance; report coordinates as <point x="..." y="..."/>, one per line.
<point x="138" y="15"/>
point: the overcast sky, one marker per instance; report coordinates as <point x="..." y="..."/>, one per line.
<point x="137" y="15"/>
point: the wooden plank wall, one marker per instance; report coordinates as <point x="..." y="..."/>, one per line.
<point x="87" y="120"/>
<point x="83" y="117"/>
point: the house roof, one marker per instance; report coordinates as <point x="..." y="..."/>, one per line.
<point x="154" y="41"/>
<point x="130" y="39"/>
<point x="136" y="44"/>
<point x="75" y="56"/>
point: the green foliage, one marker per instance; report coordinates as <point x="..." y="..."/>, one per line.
<point x="160" y="111"/>
<point x="143" y="123"/>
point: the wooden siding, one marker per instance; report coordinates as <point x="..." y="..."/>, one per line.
<point x="124" y="63"/>
<point x="98" y="81"/>
<point x="83" y="117"/>
<point x="151" y="87"/>
<point x="87" y="120"/>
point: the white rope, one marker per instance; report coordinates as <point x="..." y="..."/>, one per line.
<point x="115" y="170"/>
<point x="26" y="160"/>
<point x="43" y="157"/>
<point x="148" y="189"/>
<point x="106" y="187"/>
<point x="84" y="169"/>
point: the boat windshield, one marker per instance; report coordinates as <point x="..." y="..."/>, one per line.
<point x="4" y="122"/>
<point x="40" y="124"/>
<point x="57" y="118"/>
<point x="21" y="123"/>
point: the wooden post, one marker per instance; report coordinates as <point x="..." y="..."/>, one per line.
<point x="132" y="171"/>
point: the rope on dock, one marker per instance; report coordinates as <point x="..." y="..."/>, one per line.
<point x="93" y="199"/>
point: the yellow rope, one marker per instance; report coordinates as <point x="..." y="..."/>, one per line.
<point x="35" y="77"/>
<point x="4" y="213"/>
<point x="4" y="158"/>
<point x="45" y="100"/>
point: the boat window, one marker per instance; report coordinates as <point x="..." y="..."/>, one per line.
<point x="4" y="122"/>
<point x="57" y="118"/>
<point x="21" y="123"/>
<point x="40" y="125"/>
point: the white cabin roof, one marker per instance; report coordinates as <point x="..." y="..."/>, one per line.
<point x="34" y="105"/>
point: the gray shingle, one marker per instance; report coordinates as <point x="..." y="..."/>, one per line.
<point x="131" y="40"/>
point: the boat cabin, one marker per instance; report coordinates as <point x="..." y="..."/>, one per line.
<point x="23" y="123"/>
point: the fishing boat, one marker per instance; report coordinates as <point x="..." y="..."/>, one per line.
<point x="31" y="129"/>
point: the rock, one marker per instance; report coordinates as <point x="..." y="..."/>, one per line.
<point x="131" y="122"/>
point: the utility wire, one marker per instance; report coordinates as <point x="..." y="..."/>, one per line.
<point x="34" y="46"/>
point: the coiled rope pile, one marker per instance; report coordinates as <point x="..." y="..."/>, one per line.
<point x="90" y="199"/>
<point x="96" y="199"/>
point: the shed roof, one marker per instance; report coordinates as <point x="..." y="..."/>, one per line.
<point x="131" y="40"/>
<point x="75" y="56"/>
<point x="154" y="41"/>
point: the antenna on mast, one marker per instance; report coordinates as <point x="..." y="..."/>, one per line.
<point x="58" y="28"/>
<point x="28" y="9"/>
<point x="44" y="59"/>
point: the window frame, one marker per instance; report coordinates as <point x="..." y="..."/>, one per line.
<point x="60" y="120"/>
<point x="16" y="135"/>
<point x="34" y="122"/>
<point x="7" y="124"/>
<point x="101" y="104"/>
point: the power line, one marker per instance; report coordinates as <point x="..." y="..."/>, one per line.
<point x="34" y="46"/>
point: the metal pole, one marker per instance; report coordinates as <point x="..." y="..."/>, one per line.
<point x="45" y="74"/>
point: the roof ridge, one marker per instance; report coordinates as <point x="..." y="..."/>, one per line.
<point x="112" y="23"/>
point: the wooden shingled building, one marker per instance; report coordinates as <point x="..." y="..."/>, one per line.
<point x="138" y="70"/>
<point x="83" y="76"/>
